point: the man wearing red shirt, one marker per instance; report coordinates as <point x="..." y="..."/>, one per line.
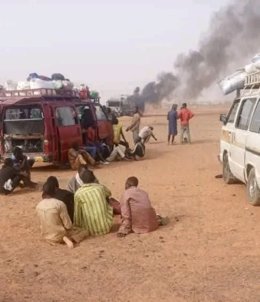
<point x="185" y="115"/>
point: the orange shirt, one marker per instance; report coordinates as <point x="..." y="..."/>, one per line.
<point x="185" y="115"/>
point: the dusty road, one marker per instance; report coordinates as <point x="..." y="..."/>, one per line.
<point x="210" y="251"/>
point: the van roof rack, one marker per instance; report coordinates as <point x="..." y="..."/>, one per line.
<point x="252" y="80"/>
<point x="251" y="86"/>
<point x="39" y="92"/>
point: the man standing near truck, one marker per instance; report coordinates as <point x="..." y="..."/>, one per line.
<point x="135" y="124"/>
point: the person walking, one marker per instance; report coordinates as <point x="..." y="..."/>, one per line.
<point x="185" y="115"/>
<point x="135" y="124"/>
<point x="172" y="123"/>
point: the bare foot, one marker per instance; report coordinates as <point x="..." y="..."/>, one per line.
<point x="68" y="242"/>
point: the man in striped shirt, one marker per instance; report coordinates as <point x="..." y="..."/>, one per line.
<point x="92" y="211"/>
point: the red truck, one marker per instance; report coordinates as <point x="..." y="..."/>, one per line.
<point x="46" y="122"/>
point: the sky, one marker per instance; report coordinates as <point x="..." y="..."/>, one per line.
<point x="110" y="45"/>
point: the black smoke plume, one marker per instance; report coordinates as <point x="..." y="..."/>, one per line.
<point x="233" y="37"/>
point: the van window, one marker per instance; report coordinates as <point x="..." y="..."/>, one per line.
<point x="100" y="114"/>
<point x="23" y="112"/>
<point x="255" y="124"/>
<point x="65" y="116"/>
<point x="245" y="113"/>
<point x="23" y="120"/>
<point x="232" y="112"/>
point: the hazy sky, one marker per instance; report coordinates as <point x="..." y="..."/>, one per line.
<point x="111" y="45"/>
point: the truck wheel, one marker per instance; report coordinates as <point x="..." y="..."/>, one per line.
<point x="253" y="191"/>
<point x="228" y="177"/>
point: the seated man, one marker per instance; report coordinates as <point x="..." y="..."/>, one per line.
<point x="92" y="211"/>
<point x="65" y="196"/>
<point x="9" y="177"/>
<point x="23" y="166"/>
<point x="98" y="150"/>
<point x="55" y="223"/>
<point x="76" y="181"/>
<point x="78" y="157"/>
<point x="117" y="153"/>
<point x="138" y="151"/>
<point x="146" y="133"/>
<point x="138" y="216"/>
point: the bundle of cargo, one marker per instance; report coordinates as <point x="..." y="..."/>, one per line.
<point x="34" y="75"/>
<point x="22" y="85"/>
<point x="254" y="66"/>
<point x="236" y="80"/>
<point x="35" y="81"/>
<point x="233" y="82"/>
<point x="63" y="84"/>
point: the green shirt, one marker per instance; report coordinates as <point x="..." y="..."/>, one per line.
<point x="91" y="209"/>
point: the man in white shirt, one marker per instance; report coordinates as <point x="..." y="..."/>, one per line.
<point x="146" y="133"/>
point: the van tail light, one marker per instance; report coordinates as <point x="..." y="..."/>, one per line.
<point x="46" y="146"/>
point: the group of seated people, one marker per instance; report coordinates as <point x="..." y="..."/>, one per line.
<point x="16" y="169"/>
<point x="87" y="209"/>
<point x="99" y="152"/>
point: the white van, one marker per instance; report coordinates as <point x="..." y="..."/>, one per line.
<point x="240" y="140"/>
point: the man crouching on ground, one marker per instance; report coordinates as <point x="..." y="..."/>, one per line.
<point x="138" y="215"/>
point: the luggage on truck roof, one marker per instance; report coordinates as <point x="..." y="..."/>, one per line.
<point x="57" y="77"/>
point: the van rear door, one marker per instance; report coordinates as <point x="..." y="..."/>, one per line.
<point x="237" y="148"/>
<point x="105" y="129"/>
<point x="23" y="126"/>
<point x="68" y="130"/>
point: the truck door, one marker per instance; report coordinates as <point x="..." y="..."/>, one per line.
<point x="105" y="129"/>
<point x="239" y="139"/>
<point x="88" y="123"/>
<point x="68" y="130"/>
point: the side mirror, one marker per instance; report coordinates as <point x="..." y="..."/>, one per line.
<point x="223" y="118"/>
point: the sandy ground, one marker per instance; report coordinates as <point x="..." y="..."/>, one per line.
<point x="210" y="251"/>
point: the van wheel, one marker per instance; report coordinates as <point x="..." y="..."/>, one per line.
<point x="228" y="177"/>
<point x="253" y="191"/>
